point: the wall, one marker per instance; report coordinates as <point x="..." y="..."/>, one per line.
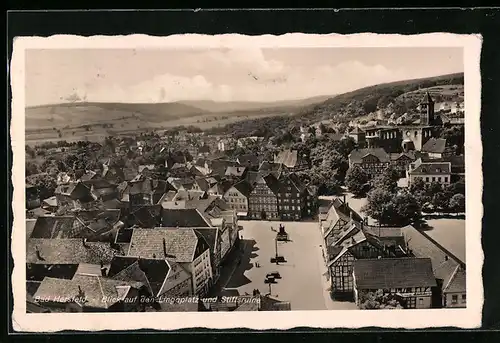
<point x="448" y="300"/>
<point x="413" y="178"/>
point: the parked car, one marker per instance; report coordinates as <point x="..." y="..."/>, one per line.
<point x="274" y="274"/>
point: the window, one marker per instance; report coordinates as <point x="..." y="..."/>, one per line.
<point x="420" y="301"/>
<point x="433" y="179"/>
<point x="454" y="299"/>
<point x="445" y="179"/>
<point x="298" y="195"/>
<point x="426" y="179"/>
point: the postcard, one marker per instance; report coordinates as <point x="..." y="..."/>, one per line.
<point x="323" y="181"/>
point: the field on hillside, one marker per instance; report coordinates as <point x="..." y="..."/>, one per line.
<point x="97" y="131"/>
<point x="443" y="93"/>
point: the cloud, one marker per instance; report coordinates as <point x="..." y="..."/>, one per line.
<point x="247" y="75"/>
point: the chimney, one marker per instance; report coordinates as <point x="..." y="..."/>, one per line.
<point x="104" y="271"/>
<point x="164" y="247"/>
<point x="84" y="242"/>
<point x="344" y="198"/>
<point x="446" y="257"/>
<point x="38" y="254"/>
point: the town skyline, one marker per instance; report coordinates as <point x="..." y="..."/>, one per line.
<point x="223" y="75"/>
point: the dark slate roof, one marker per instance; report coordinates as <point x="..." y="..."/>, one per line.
<point x="248" y="160"/>
<point x="269" y="166"/>
<point x="297" y="182"/>
<point x="202" y="184"/>
<point x="124" y="235"/>
<point x="243" y="187"/>
<point x="221" y="187"/>
<point x="434" y="145"/>
<point x="389" y="273"/>
<point x="357" y="155"/>
<point x="68" y="251"/>
<point x="146" y="216"/>
<point x="99" y="292"/>
<point x="183" y="217"/>
<point x="432" y="168"/>
<point x="287" y="157"/>
<point x="180" y="245"/>
<point x="151" y="272"/>
<point x="55" y="227"/>
<point x="272" y="182"/>
<point x="419" y="244"/>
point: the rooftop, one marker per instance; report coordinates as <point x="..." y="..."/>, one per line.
<point x="389" y="273"/>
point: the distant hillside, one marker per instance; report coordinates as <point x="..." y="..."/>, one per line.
<point x="368" y="99"/>
<point x="238" y="106"/>
<point x="75" y="114"/>
<point x="348" y="106"/>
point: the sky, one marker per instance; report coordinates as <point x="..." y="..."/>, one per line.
<point x="253" y="74"/>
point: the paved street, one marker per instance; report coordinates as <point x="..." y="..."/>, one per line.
<point x="303" y="281"/>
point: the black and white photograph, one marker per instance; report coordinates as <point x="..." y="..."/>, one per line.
<point x="248" y="177"/>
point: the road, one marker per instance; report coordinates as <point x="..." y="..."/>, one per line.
<point x="303" y="280"/>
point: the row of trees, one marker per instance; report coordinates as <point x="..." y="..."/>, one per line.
<point x="390" y="205"/>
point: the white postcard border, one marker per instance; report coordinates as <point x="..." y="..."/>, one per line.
<point x="464" y="318"/>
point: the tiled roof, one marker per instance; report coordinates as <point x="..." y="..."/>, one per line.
<point x="457" y="282"/>
<point x="180" y="245"/>
<point x="357" y="155"/>
<point x="420" y="244"/>
<point x="221" y="187"/>
<point x="287" y="157"/>
<point x="389" y="273"/>
<point x="432" y="168"/>
<point x="30" y="225"/>
<point x="434" y="145"/>
<point x="99" y="292"/>
<point x="56" y="227"/>
<point x="151" y="272"/>
<point x="146" y="216"/>
<point x="407" y="155"/>
<point x="68" y="251"/>
<point x="202" y="184"/>
<point x="183" y="217"/>
<point x="356" y="130"/>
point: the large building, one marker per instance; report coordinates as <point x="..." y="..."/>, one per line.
<point x="263" y="200"/>
<point x="372" y="160"/>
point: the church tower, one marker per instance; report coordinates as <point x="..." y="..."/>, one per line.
<point x="427" y="110"/>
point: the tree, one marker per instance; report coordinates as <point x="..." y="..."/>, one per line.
<point x="46" y="184"/>
<point x="440" y="201"/>
<point x="392" y="209"/>
<point x="388" y="180"/>
<point x="356" y="180"/>
<point x="457" y="203"/>
<point x="31" y="168"/>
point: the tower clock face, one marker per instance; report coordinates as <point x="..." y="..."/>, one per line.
<point x="407" y="133"/>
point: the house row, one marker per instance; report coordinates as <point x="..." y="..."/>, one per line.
<point x="430" y="165"/>
<point x="403" y="264"/>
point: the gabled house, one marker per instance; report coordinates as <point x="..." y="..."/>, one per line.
<point x="89" y="294"/>
<point x="435" y="147"/>
<point x="290" y="159"/>
<point x="372" y="160"/>
<point x="60" y="258"/>
<point x="89" y="175"/>
<point x="429" y="172"/>
<point x="186" y="247"/>
<point x="67" y="194"/>
<point x="237" y="197"/>
<point x="401" y="161"/>
<point x="263" y="200"/>
<point x="292" y="197"/>
<point x="408" y="280"/>
<point x="220" y="188"/>
<point x="235" y="172"/>
<point x="162" y="277"/>
<point x="175" y="214"/>
<point x="212" y="235"/>
<point x="449" y="270"/>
